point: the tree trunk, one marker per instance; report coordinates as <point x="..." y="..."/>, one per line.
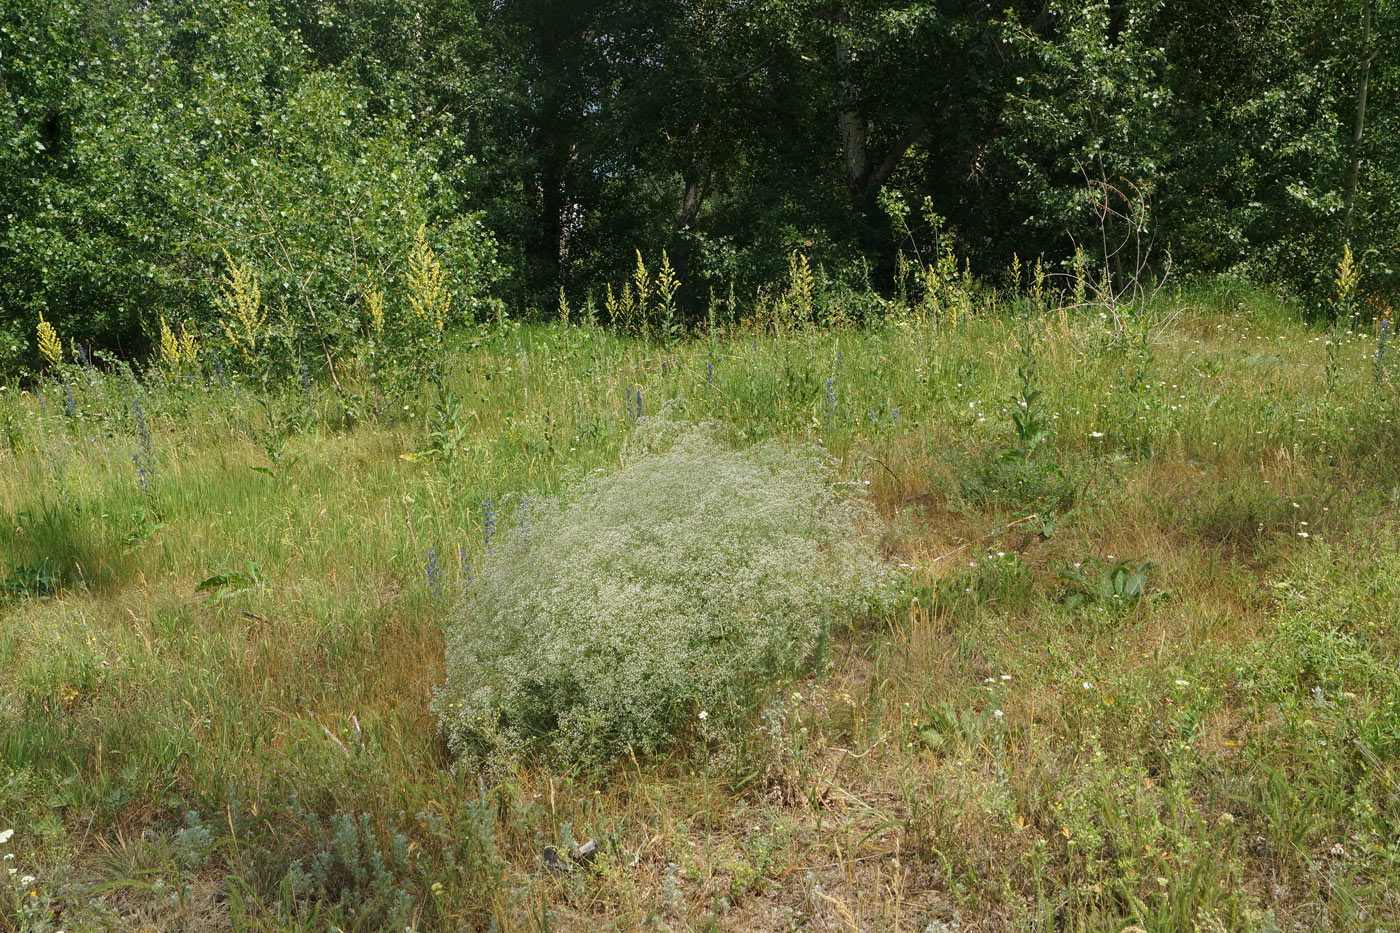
<point x="555" y="204"/>
<point x="863" y="177"/>
<point x="695" y="183"/>
<point x="1354" y="170"/>
<point x="853" y="128"/>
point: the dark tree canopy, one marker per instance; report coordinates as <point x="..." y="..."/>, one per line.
<point x="138" y="142"/>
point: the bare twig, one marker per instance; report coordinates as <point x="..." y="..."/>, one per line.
<point x="885" y="465"/>
<point x="989" y="534"/>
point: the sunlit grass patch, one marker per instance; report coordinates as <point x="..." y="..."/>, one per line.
<point x="255" y="638"/>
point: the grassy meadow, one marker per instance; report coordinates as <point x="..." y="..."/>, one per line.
<point x="1141" y="669"/>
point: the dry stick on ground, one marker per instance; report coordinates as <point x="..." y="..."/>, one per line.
<point x="883" y="464"/>
<point x="986" y="536"/>
<point x="864" y="858"/>
<point x="408" y="520"/>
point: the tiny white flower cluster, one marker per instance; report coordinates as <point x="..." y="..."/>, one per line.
<point x="24" y="880"/>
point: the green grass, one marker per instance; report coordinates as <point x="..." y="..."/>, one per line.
<point x="262" y="755"/>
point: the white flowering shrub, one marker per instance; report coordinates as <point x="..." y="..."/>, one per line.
<point x="688" y="581"/>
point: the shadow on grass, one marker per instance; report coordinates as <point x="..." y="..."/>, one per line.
<point x="56" y="547"/>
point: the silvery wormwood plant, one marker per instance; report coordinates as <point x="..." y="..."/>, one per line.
<point x="689" y="579"/>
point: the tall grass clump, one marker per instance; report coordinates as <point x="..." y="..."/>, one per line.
<point x="654" y="598"/>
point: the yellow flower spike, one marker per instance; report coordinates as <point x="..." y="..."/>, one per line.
<point x="244" y="318"/>
<point x="427" y="295"/>
<point x="189" y="346"/>
<point x="610" y="303"/>
<point x="374" y="302"/>
<point x="1348" y="275"/>
<point x="800" y="287"/>
<point x="169" y="346"/>
<point x="641" y="283"/>
<point x="564" y="309"/>
<point x="49" y="346"/>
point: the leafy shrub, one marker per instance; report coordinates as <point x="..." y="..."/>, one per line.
<point x="38" y="578"/>
<point x="182" y="132"/>
<point x="682" y="583"/>
<point x="998" y="479"/>
<point x="1118" y="585"/>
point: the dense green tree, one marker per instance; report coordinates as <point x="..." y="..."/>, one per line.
<point x="312" y="139"/>
<point x="1237" y="121"/>
<point x="154" y="144"/>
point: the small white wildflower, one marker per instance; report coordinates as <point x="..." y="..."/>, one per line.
<point x="1183" y="683"/>
<point x="998" y="713"/>
<point x="1088" y="686"/>
<point x="704" y="715"/>
<point x="5" y="835"/>
<point x="27" y="879"/>
<point x="1096" y="434"/>
<point x="1005" y="676"/>
<point x="1303" y="534"/>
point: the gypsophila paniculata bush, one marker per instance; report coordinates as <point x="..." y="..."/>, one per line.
<point x="689" y="580"/>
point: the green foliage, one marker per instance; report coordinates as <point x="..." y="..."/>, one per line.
<point x="357" y="874"/>
<point x="312" y="140"/>
<point x="682" y="584"/>
<point x="992" y="479"/>
<point x="153" y="140"/>
<point x="1119" y="585"/>
<point x="1085" y="106"/>
<point x="327" y="213"/>
<point x="40" y="578"/>
<point x="1027" y="414"/>
<point x="222" y="586"/>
